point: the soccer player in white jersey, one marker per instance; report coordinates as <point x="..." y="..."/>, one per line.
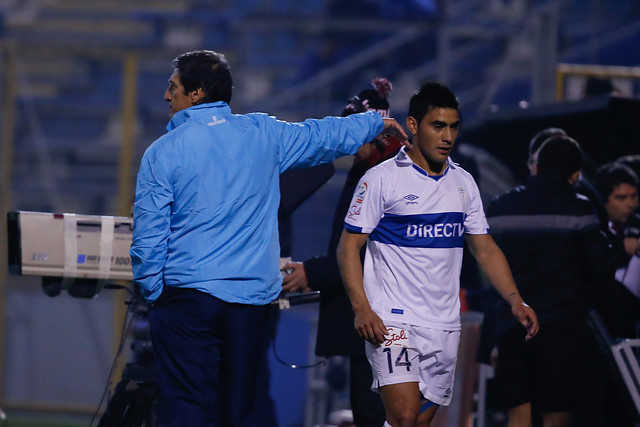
<point x="414" y="212"/>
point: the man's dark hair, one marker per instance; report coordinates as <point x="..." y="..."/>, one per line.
<point x="610" y="175"/>
<point x="631" y="160"/>
<point x="541" y="136"/>
<point x="431" y="95"/>
<point x="207" y="70"/>
<point x="559" y="156"/>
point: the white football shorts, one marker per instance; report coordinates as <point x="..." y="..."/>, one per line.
<point x="416" y="354"/>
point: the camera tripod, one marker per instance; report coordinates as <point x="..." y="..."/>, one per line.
<point x="134" y="401"/>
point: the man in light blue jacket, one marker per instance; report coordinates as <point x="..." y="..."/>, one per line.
<point x="205" y="246"/>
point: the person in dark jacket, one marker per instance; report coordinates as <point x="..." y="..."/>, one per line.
<point x="553" y="242"/>
<point x="616" y="303"/>
<point x="336" y="336"/>
<point x="617" y="185"/>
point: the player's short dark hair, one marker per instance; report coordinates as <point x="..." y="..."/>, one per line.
<point x="610" y="175"/>
<point x="207" y="70"/>
<point x="431" y="95"/>
<point x="560" y="156"/>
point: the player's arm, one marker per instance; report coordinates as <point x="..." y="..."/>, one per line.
<point x="367" y="323"/>
<point x="494" y="265"/>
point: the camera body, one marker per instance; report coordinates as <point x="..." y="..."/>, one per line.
<point x="69" y="245"/>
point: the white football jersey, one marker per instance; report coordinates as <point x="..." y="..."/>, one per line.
<point x="416" y="225"/>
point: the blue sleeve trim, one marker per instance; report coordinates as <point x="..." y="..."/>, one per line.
<point x="353" y="228"/>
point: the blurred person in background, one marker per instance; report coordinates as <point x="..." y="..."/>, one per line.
<point x="631" y="231"/>
<point x="617" y="185"/>
<point x="616" y="304"/>
<point x="552" y="239"/>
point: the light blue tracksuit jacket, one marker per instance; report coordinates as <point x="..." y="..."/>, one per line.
<point x="207" y="197"/>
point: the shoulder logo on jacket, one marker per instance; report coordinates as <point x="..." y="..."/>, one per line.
<point x="215" y="121"/>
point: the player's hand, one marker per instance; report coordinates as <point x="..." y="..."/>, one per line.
<point x="296" y="279"/>
<point x="527" y="318"/>
<point x="369" y="326"/>
<point x="393" y="129"/>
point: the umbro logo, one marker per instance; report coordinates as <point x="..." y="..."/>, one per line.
<point x="411" y="197"/>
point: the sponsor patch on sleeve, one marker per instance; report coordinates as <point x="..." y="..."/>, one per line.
<point x="354" y="211"/>
<point x="361" y="192"/>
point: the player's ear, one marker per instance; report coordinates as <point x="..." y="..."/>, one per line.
<point x="412" y="125"/>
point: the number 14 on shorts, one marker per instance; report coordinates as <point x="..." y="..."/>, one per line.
<point x="396" y="343"/>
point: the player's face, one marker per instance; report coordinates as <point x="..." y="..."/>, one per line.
<point x="434" y="136"/>
<point x="175" y="95"/>
<point x="621" y="203"/>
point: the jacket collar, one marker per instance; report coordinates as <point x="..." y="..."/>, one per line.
<point x="183" y="116"/>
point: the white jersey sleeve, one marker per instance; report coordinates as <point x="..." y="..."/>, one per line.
<point x="367" y="205"/>
<point x="475" y="221"/>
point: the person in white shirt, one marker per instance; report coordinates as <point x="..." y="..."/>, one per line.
<point x="414" y="212"/>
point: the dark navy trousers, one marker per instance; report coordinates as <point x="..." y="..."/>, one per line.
<point x="211" y="357"/>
